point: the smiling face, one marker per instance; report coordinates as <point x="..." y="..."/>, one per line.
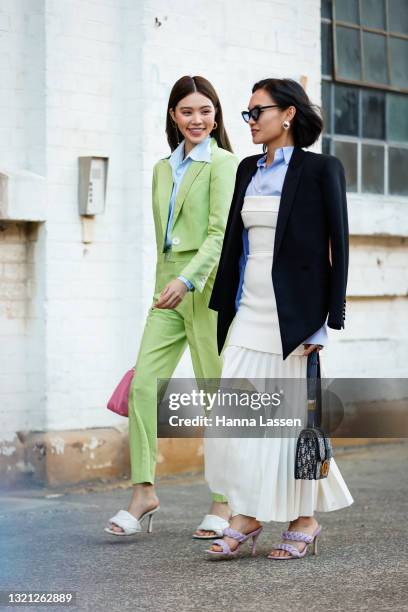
<point x="268" y="129"/>
<point x="195" y="117"/>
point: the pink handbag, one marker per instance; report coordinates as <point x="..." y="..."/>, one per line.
<point x="120" y="397"/>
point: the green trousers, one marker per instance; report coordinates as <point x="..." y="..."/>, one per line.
<point x="166" y="335"/>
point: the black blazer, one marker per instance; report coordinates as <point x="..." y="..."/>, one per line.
<point x="313" y="209"/>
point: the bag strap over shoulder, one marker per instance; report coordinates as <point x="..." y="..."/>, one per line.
<point x="314" y="390"/>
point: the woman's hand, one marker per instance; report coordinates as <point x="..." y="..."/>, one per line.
<point x="172" y="294"/>
<point x="309" y="348"/>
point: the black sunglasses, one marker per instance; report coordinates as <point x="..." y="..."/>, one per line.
<point x="255" y="112"/>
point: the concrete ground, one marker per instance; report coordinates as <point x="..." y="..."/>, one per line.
<point x="58" y="543"/>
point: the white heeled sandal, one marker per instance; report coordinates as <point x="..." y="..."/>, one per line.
<point x="211" y="522"/>
<point x="129" y="523"/>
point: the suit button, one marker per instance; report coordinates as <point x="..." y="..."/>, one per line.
<point x="175" y="240"/>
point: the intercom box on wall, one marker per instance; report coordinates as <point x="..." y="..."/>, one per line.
<point x="93" y="175"/>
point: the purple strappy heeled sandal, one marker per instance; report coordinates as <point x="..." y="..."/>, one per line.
<point x="226" y="552"/>
<point x="297" y="536"/>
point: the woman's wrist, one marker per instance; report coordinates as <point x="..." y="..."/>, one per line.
<point x="188" y="283"/>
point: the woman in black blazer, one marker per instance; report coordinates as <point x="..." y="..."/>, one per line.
<point x="281" y="279"/>
<point x="312" y="213"/>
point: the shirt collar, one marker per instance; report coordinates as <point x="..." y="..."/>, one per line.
<point x="284" y="153"/>
<point x="201" y="152"/>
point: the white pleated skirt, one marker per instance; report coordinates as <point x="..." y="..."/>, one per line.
<point x="257" y="474"/>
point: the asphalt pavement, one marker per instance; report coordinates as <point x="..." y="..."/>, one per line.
<point x="54" y="541"/>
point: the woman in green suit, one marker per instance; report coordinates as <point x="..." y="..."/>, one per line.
<point x="192" y="192"/>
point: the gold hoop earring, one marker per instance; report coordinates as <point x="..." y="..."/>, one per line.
<point x="215" y="126"/>
<point x="286" y="124"/>
<point x="176" y="128"/>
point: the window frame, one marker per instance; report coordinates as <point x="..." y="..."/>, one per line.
<point x="387" y="33"/>
<point x="359" y="140"/>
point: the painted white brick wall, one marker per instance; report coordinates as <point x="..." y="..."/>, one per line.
<point x="22" y="146"/>
<point x="21" y="328"/>
<point x="22" y="109"/>
<point x="233" y="52"/>
<point x="13" y="307"/>
<point x="93" y="78"/>
<point x="90" y="316"/>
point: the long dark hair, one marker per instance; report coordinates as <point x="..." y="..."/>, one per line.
<point x="307" y="124"/>
<point x="188" y="85"/>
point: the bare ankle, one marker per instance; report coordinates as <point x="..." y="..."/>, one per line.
<point x="143" y="494"/>
<point x="304" y="520"/>
<point x="221" y="509"/>
<point x="244" y="521"/>
<point x="144" y="489"/>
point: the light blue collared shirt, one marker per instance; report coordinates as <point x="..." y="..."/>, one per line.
<point x="179" y="165"/>
<point x="268" y="180"/>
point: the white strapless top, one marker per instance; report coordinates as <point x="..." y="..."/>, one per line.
<point x="256" y="323"/>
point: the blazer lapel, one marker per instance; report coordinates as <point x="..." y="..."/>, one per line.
<point x="164" y="189"/>
<point x="166" y="186"/>
<point x="192" y="172"/>
<point x="238" y="201"/>
<point x="288" y="195"/>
